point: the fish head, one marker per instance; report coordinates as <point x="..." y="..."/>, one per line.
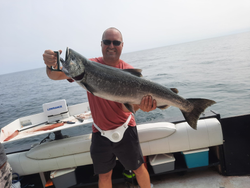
<point x="74" y="64"/>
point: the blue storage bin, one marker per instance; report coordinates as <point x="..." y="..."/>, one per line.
<point x="196" y="158"/>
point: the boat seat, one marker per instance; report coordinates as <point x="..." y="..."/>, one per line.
<point x="155" y="131"/>
<point x="81" y="144"/>
<point x="62" y="147"/>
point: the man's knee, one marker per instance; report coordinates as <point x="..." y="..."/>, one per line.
<point x="140" y="170"/>
<point x="105" y="176"/>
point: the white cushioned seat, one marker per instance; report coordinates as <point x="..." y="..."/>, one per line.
<point x="62" y="147"/>
<point x="155" y="131"/>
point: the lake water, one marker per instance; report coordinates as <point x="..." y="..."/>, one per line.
<point x="217" y="69"/>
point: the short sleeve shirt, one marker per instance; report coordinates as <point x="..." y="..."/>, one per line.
<point x="108" y="115"/>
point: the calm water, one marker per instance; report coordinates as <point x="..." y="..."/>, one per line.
<point x="217" y="69"/>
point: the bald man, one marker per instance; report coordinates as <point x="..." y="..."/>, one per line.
<point x="109" y="115"/>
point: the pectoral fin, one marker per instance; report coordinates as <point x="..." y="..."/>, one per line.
<point x="163" y="107"/>
<point x="87" y="87"/>
<point x="136" y="72"/>
<point x="130" y="107"/>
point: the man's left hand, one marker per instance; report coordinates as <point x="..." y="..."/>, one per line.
<point x="148" y="104"/>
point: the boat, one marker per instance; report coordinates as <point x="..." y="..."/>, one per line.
<point x="168" y="147"/>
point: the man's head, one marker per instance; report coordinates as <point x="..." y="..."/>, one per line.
<point x="111" y="49"/>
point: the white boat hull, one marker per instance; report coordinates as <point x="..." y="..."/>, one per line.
<point x="155" y="138"/>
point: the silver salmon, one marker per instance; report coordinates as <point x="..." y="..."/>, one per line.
<point x="128" y="87"/>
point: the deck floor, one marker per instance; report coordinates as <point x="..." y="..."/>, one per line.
<point x="195" y="179"/>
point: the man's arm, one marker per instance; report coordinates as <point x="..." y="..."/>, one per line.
<point x="50" y="60"/>
<point x="147" y="104"/>
<point x="56" y="75"/>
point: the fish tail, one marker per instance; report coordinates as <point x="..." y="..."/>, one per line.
<point x="199" y="106"/>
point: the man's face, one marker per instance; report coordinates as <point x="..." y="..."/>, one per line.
<point x="112" y="53"/>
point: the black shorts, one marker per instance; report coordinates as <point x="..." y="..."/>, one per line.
<point x="104" y="152"/>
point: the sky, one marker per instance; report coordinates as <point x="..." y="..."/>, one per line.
<point x="29" y="27"/>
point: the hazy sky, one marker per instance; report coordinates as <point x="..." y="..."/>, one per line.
<point x="28" y="27"/>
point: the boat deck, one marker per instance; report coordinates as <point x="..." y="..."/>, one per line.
<point x="208" y="178"/>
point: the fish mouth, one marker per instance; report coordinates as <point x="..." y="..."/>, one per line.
<point x="67" y="55"/>
<point x="63" y="61"/>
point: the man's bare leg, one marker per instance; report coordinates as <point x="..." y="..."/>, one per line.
<point x="142" y="177"/>
<point x="105" y="180"/>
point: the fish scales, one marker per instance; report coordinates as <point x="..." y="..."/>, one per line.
<point x="127" y="87"/>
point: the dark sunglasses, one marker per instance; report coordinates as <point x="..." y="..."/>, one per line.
<point x="115" y="42"/>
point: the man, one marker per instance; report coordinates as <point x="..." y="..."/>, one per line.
<point x="5" y="170"/>
<point x="109" y="115"/>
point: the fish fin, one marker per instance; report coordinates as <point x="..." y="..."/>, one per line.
<point x="174" y="90"/>
<point x="87" y="87"/>
<point x="130" y="107"/>
<point x="199" y="106"/>
<point x="163" y="107"/>
<point x="166" y="106"/>
<point x="136" y="72"/>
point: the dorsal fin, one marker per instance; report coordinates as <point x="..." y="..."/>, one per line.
<point x="136" y="72"/>
<point x="174" y="90"/>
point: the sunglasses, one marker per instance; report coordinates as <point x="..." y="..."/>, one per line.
<point x="115" y="42"/>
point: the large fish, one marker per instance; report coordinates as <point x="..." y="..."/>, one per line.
<point x="126" y="86"/>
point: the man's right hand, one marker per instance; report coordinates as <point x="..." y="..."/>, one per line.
<point x="50" y="58"/>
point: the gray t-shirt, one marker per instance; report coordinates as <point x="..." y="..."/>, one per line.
<point x="3" y="157"/>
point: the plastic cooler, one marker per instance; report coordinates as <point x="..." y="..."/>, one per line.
<point x="63" y="178"/>
<point x="196" y="158"/>
<point x="162" y="162"/>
